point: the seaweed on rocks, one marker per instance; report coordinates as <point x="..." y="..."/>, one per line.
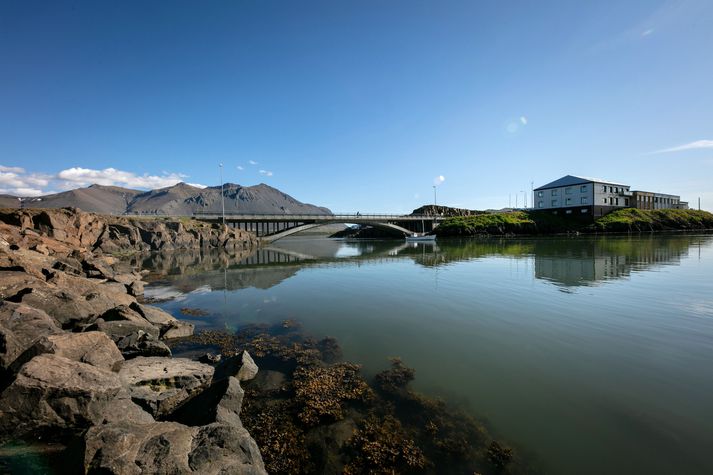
<point x="321" y="392"/>
<point x="381" y="445"/>
<point x="309" y="412"/>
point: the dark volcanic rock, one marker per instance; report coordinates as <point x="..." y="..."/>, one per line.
<point x="55" y="393"/>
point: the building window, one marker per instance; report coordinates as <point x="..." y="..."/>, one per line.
<point x="584" y="200"/>
<point x="604" y="189"/>
<point x="554" y="192"/>
<point x="540" y="194"/>
<point x="554" y="202"/>
<point x="604" y="200"/>
<point x="568" y="201"/>
<point x="584" y="210"/>
<point x="616" y="201"/>
<point x="540" y="204"/>
<point x="583" y="189"/>
<point x="569" y="211"/>
<point x="568" y="190"/>
<point x="626" y="201"/>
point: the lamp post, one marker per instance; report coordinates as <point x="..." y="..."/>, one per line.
<point x="222" y="195"/>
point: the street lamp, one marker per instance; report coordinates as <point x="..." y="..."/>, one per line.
<point x="222" y="195"/>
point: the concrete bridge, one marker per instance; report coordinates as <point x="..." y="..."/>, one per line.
<point x="271" y="227"/>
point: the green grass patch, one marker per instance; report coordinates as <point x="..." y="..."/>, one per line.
<point x="542" y="222"/>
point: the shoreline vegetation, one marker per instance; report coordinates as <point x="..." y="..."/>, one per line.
<point x="311" y="412"/>
<point x="92" y="379"/>
<point x="627" y="220"/>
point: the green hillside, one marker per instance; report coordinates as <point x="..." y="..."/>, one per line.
<point x="538" y="222"/>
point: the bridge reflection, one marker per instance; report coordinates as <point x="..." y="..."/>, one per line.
<point x="566" y="263"/>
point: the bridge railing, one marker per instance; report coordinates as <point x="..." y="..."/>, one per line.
<point x="307" y="216"/>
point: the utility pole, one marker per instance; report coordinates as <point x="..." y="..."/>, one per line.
<point x="434" y="198"/>
<point x="222" y="195"/>
<point x="699" y="203"/>
<point x="516" y="195"/>
<point x="510" y="200"/>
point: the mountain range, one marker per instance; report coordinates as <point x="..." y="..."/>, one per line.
<point x="180" y="199"/>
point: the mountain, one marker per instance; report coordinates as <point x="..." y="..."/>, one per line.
<point x="95" y="199"/>
<point x="180" y="199"/>
<point x="9" y="201"/>
<point x="183" y="199"/>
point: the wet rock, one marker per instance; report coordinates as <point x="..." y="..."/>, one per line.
<point x="55" y="393"/>
<point x="94" y="348"/>
<point x="20" y="328"/>
<point x="161" y="385"/>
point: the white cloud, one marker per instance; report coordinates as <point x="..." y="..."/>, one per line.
<point x="239" y="167"/>
<point x="647" y="32"/>
<point x="698" y="144"/>
<point x="16" y="181"/>
<point x="78" y="176"/>
<point x="523" y="119"/>
<point x="252" y="162"/>
<point x="12" y="169"/>
<point x="265" y="172"/>
<point x="439" y="180"/>
<point x="197" y="185"/>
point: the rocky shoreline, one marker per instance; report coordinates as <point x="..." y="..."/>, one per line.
<point x="90" y="384"/>
<point x="85" y="364"/>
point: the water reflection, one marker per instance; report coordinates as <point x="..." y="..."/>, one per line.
<point x="550" y="339"/>
<point x="564" y="262"/>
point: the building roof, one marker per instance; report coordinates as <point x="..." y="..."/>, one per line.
<point x="576" y="180"/>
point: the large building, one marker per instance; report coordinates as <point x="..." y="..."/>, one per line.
<point x="596" y="197"/>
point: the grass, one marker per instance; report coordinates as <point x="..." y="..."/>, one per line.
<point x="538" y="222"/>
<point x="638" y="220"/>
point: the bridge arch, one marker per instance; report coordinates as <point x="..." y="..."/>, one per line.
<point x="304" y="227"/>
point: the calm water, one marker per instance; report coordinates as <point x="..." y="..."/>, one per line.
<point x="590" y="355"/>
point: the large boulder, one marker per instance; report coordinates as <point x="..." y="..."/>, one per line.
<point x="94" y="348"/>
<point x="72" y="300"/>
<point x="127" y="448"/>
<point x="53" y="393"/>
<point x="161" y="385"/>
<point x="20" y="328"/>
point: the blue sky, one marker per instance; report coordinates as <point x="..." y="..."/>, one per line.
<point x="358" y="105"/>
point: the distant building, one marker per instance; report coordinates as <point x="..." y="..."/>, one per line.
<point x="651" y="200"/>
<point x="581" y="195"/>
<point x="596" y="197"/>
